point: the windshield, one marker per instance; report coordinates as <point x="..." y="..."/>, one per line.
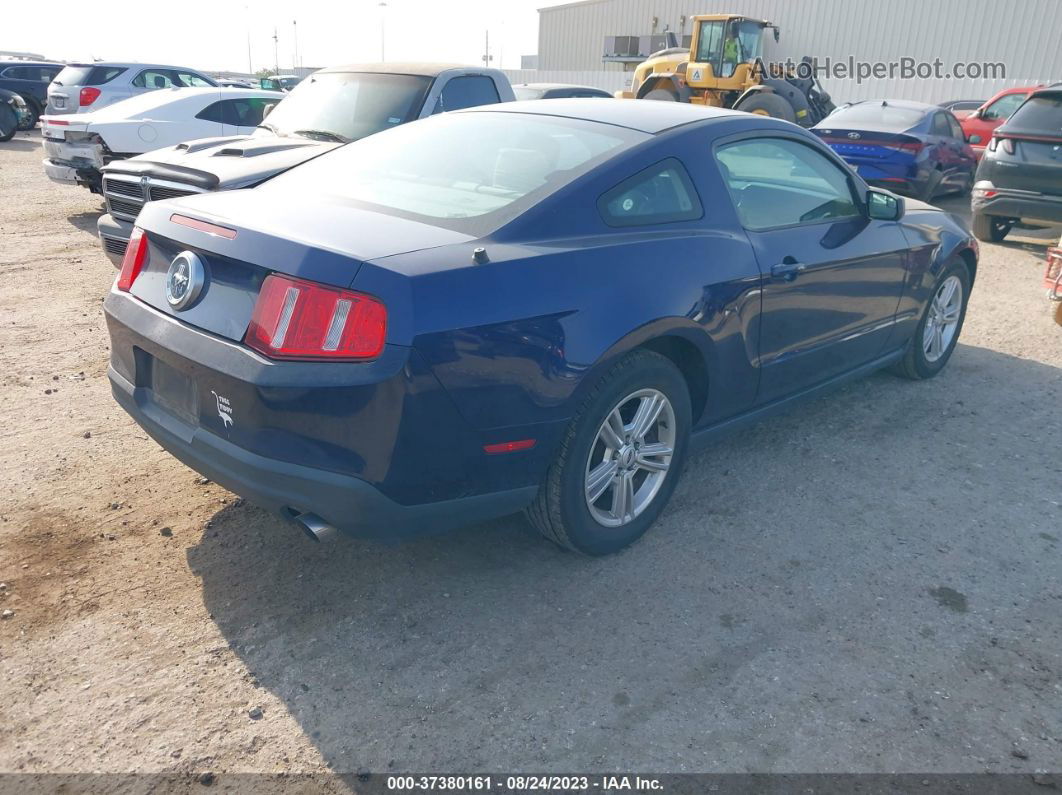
<point x="485" y="165"/>
<point x="888" y="117"/>
<point x="346" y="106"/>
<point x="1042" y="114"/>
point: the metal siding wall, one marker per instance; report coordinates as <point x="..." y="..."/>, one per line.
<point x="1022" y="34"/>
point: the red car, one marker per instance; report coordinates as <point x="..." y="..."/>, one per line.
<point x="978" y="126"/>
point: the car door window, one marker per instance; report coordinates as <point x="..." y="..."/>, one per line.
<point x="155" y="78"/>
<point x="778" y="182"/>
<point x="14" y="73"/>
<point x="191" y="79"/>
<point x="940" y="125"/>
<point x="1003" y="107"/>
<point x="468" y="91"/>
<point x="660" y="194"/>
<point x="956" y="128"/>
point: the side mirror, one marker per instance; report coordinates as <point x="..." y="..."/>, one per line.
<point x="973" y="139"/>
<point x="882" y="206"/>
<point x="268" y="109"/>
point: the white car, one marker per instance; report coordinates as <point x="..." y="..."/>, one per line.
<point x="88" y="87"/>
<point x="77" y="147"/>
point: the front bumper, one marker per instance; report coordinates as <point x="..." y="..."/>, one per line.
<point x="1020" y="204"/>
<point x="376" y="450"/>
<point x="114" y="235"/>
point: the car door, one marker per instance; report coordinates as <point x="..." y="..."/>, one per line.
<point x="832" y="276"/>
<point x="944" y="153"/>
<point x="965" y="161"/>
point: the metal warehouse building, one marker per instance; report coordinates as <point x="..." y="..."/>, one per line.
<point x="608" y="37"/>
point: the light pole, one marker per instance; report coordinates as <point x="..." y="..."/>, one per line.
<point x="295" y="35"/>
<point x="383" y="16"/>
<point x="276" y="56"/>
<point x="247" y="19"/>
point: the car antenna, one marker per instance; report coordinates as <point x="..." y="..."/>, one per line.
<point x="479" y="256"/>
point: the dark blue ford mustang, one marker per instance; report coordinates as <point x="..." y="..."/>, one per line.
<point x="532" y="306"/>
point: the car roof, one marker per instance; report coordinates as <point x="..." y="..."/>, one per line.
<point x="1054" y="88"/>
<point x="643" y="115"/>
<point x="424" y="68"/>
<point x="907" y="104"/>
<point x="549" y="86"/>
<point x="135" y="65"/>
<point x="4" y="63"/>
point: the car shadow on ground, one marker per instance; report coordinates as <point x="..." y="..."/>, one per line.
<point x="828" y="569"/>
<point x="86" y="221"/>
<point x="23" y="142"/>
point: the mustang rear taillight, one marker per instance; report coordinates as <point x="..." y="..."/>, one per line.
<point x="133" y="261"/>
<point x="88" y="95"/>
<point x="296" y="319"/>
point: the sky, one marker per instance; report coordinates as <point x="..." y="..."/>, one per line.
<point x="213" y="34"/>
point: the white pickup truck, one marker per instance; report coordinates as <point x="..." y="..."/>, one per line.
<point x="332" y="107"/>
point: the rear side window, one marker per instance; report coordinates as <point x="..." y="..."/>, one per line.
<point x="192" y="80"/>
<point x="660" y="194"/>
<point x="88" y="75"/>
<point x="469" y="91"/>
<point x="237" y="112"/>
<point x="1040" y="114"/>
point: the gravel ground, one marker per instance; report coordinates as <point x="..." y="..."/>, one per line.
<point x="868" y="583"/>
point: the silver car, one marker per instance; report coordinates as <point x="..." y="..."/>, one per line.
<point x="85" y="87"/>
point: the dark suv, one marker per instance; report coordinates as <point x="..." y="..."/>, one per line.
<point x="1020" y="176"/>
<point x="29" y="79"/>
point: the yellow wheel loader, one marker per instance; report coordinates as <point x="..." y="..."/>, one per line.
<point x="724" y="68"/>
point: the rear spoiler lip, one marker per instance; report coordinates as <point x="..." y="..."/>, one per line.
<point x="1021" y="135"/>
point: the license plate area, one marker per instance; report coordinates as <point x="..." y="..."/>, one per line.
<point x="173" y="391"/>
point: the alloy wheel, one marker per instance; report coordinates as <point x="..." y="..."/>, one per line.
<point x="942" y="322"/>
<point x="630" y="457"/>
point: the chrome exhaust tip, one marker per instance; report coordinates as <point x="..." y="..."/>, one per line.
<point x="316" y="527"/>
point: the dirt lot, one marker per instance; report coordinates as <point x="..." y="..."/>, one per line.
<point x="870" y="583"/>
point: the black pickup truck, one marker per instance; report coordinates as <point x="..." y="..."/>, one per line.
<point x="330" y="108"/>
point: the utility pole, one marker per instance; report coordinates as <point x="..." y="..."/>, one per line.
<point x="247" y="19"/>
<point x="276" y="56"/>
<point x="295" y="56"/>
<point x="383" y="16"/>
<point x="487" y="57"/>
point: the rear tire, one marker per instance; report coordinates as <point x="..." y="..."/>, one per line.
<point x="1057" y="314"/>
<point x="8" y="122"/>
<point x="930" y="190"/>
<point x="768" y="105"/>
<point x="566" y="510"/>
<point x="924" y="359"/>
<point x="990" y="228"/>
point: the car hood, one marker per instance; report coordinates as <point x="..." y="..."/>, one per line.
<point x="234" y="161"/>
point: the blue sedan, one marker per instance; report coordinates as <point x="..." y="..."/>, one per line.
<point x="532" y="306"/>
<point x="908" y="147"/>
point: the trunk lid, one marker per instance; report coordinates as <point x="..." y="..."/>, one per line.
<point x="323" y="241"/>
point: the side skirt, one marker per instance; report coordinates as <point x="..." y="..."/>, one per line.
<point x="712" y="433"/>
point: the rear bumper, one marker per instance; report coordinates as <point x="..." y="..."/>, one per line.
<point x="347" y="503"/>
<point x="1020" y="204"/>
<point x="375" y="449"/>
<point x="114" y="235"/>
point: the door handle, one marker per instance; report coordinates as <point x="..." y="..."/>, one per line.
<point x="788" y="269"/>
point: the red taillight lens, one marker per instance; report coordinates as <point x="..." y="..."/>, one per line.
<point x="89" y="94"/>
<point x="133" y="261"/>
<point x="296" y="319"/>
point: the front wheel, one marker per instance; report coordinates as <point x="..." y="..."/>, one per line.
<point x="938" y="331"/>
<point x="31" y="118"/>
<point x="620" y="458"/>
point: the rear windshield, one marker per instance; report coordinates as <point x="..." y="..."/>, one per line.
<point x="1039" y="114"/>
<point x="880" y="116"/>
<point x="88" y="75"/>
<point x="464" y="171"/>
<point x="523" y="92"/>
